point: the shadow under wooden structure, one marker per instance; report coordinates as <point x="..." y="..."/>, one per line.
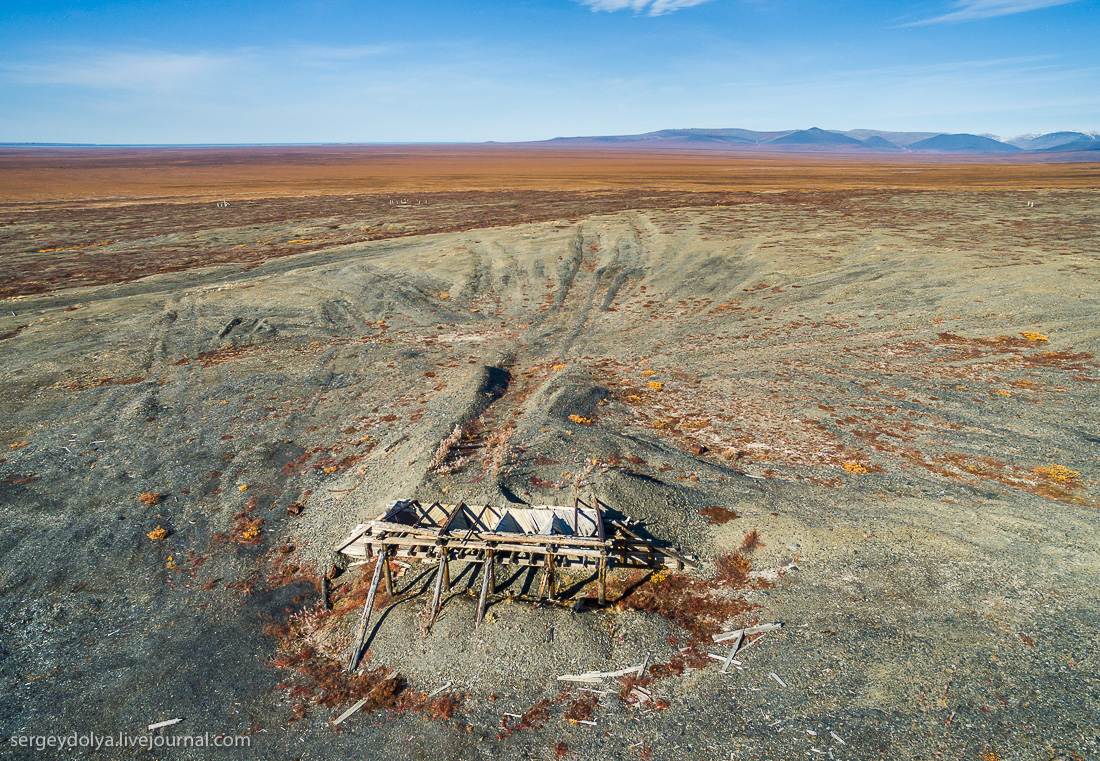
<point x="548" y="536"/>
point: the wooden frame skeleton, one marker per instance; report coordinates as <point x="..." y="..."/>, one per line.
<point x="550" y="537"/>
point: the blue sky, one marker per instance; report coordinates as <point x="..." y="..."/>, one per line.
<point x="243" y="71"/>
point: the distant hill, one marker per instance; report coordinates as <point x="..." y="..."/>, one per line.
<point x="1049" y="140"/>
<point x="1085" y="144"/>
<point x="900" y="139"/>
<point x="816" y="136"/>
<point x="877" y="141"/>
<point x="817" y="140"/>
<point x="963" y="143"/>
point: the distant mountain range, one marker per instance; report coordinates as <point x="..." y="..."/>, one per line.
<point x="835" y="141"/>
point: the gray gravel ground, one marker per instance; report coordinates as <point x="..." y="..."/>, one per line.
<point x="941" y="605"/>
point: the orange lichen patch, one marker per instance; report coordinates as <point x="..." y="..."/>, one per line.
<point x="581" y="420"/>
<point x="158" y="534"/>
<point x="246" y="529"/>
<point x="1032" y="336"/>
<point x="74" y="248"/>
<point x="444" y="296"/>
<point x="150" y="498"/>
<point x="655" y="385"/>
<point x="1057" y="473"/>
<point x="1003" y="392"/>
<point x="18" y="445"/>
<point x="649" y="372"/>
<point x="855" y="467"/>
<point x="989" y="755"/>
<point x="559" y="367"/>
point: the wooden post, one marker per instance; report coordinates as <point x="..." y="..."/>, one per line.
<point x="358" y="648"/>
<point x="551" y="575"/>
<point x="446" y="570"/>
<point x="545" y="577"/>
<point x="434" y="610"/>
<point x="387" y="574"/>
<point x="486" y="586"/>
<point x="602" y="578"/>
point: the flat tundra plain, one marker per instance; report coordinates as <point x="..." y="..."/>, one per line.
<point x="866" y="402"/>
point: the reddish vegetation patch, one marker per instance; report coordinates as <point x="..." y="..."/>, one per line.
<point x="82" y="385"/>
<point x="582" y="709"/>
<point x="751" y="541"/>
<point x="13" y="333"/>
<point x="694" y="605"/>
<point x="218" y="356"/>
<point x="716" y="516"/>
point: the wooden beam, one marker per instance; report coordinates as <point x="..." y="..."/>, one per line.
<point x="662" y="550"/>
<point x="450" y="518"/>
<point x="358" y="648"/>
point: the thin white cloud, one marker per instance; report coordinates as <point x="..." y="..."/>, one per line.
<point x="154" y="71"/>
<point x="972" y="10"/>
<point x="646" y="7"/>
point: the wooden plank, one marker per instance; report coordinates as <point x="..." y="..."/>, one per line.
<point x="723" y="636"/>
<point x="359" y="530"/>
<point x="733" y="651"/>
<point x="357" y="650"/>
<point x="348" y="713"/>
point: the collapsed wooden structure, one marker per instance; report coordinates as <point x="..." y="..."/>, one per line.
<point x="548" y="536"/>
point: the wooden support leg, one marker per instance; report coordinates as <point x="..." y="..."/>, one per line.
<point x="545" y="578"/>
<point x="387" y="573"/>
<point x="325" y="585"/>
<point x="551" y="578"/>
<point x="438" y="593"/>
<point x="602" y="579"/>
<point x="486" y="586"/>
<point x="446" y="574"/>
<point x="357" y="649"/>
